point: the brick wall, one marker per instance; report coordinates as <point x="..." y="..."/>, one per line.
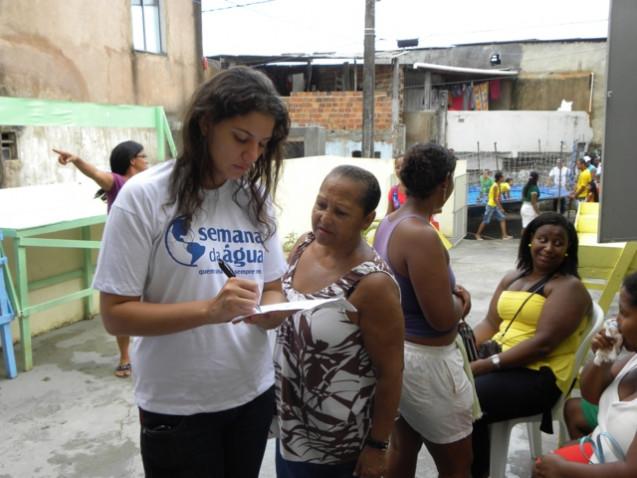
<point x="384" y="75"/>
<point x="337" y="110"/>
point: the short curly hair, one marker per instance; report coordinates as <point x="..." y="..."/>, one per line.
<point x="426" y="166"/>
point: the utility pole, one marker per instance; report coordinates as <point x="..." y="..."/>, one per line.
<point x="201" y="62"/>
<point x="369" y="80"/>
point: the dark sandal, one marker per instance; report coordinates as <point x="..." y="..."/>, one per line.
<point x="123" y="370"/>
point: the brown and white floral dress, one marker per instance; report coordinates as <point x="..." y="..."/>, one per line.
<point x="325" y="382"/>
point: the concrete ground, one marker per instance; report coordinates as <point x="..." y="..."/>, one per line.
<point x="70" y="417"/>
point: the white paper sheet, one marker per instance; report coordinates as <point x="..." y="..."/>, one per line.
<point x="334" y="303"/>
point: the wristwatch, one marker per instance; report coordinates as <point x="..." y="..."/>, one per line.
<point x="495" y="360"/>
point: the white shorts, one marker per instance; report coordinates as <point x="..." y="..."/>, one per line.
<point x="437" y="396"/>
<point x="527" y="213"/>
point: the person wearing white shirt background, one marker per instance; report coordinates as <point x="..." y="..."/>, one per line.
<point x="560" y="175"/>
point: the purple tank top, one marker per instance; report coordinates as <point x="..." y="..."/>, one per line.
<point x="118" y="182"/>
<point x="416" y="323"/>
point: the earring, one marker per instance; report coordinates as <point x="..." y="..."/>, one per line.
<point x="529" y="244"/>
<point x="566" y="254"/>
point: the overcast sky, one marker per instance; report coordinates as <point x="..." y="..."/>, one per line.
<point x="247" y="27"/>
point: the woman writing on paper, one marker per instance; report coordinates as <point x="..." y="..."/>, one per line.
<point x="204" y="387"/>
<point x="338" y="373"/>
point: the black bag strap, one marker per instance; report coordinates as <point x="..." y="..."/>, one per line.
<point x="533" y="290"/>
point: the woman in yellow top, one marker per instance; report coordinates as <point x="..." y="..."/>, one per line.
<point x="536" y="315"/>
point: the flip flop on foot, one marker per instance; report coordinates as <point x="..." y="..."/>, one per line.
<point x="506" y="238"/>
<point x="479" y="238"/>
<point x="123" y="370"/>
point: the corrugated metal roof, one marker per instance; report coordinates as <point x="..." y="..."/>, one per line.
<point x="471" y="71"/>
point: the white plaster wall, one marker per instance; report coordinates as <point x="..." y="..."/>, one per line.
<point x="302" y="178"/>
<point x="346" y="148"/>
<point x="453" y="218"/>
<point x="300" y="183"/>
<point x="37" y="163"/>
<point x="516" y="130"/>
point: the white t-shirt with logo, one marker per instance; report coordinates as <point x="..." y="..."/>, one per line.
<point x="148" y="252"/>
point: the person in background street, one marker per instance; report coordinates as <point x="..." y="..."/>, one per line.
<point x="593" y="193"/>
<point x="505" y="188"/>
<point x="486" y="181"/>
<point x="396" y="196"/>
<point x="127" y="159"/>
<point x="591" y="165"/>
<point x="559" y="175"/>
<point x="584" y="177"/>
<point x="530" y="195"/>
<point x="494" y="208"/>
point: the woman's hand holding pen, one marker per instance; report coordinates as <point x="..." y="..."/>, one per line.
<point x="237" y="297"/>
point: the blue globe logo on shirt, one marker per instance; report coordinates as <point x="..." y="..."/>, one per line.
<point x="180" y="243"/>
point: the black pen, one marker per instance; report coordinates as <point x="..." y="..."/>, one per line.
<point x="227" y="270"/>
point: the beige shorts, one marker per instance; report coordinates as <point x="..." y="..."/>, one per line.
<point x="437" y="396"/>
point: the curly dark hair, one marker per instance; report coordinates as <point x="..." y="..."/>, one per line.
<point x="426" y="166"/>
<point x="630" y="285"/>
<point x="371" y="192"/>
<point x="237" y="91"/>
<point x="569" y="264"/>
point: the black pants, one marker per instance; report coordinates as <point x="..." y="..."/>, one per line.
<point x="227" y="444"/>
<point x="562" y="203"/>
<point x="506" y="394"/>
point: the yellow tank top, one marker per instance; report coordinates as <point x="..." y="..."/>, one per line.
<point x="560" y="360"/>
<point x="493" y="191"/>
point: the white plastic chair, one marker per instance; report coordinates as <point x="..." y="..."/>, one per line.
<point x="501" y="431"/>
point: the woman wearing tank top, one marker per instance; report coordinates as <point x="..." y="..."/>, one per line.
<point x="436" y="399"/>
<point x="338" y="373"/>
<point x="537" y="316"/>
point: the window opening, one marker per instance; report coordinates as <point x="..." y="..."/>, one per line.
<point x="146" y="25"/>
<point x="9" y="145"/>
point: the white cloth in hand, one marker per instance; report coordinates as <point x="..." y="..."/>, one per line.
<point x="609" y="355"/>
